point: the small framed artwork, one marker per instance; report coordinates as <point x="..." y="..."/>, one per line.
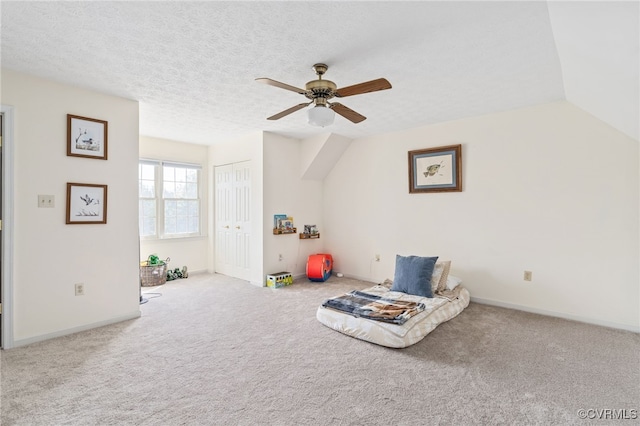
<point x="277" y="218"/>
<point x="286" y="224"/>
<point x="310" y="229"/>
<point x="86" y="203"/>
<point x="86" y="137"/>
<point x="436" y="169"/>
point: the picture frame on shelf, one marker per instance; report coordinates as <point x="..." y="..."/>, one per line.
<point x="277" y="218"/>
<point x="86" y="137"/>
<point x="310" y="229"/>
<point x="286" y="225"/>
<point x="436" y="169"/>
<point x="86" y="204"/>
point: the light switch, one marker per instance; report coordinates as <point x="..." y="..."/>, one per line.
<point x="46" y="201"/>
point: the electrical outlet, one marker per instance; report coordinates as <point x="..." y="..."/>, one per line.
<point x="80" y="289"/>
<point x="280" y="258"/>
<point x="377" y="257"/>
<point x="528" y="275"/>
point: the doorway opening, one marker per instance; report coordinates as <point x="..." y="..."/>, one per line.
<point x="6" y="227"/>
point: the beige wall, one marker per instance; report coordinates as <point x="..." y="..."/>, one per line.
<point x="277" y="188"/>
<point x="549" y="189"/>
<point x="190" y="252"/>
<point x="286" y="193"/>
<point x="49" y="257"/>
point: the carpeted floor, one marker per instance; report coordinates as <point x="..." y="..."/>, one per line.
<point x="213" y="350"/>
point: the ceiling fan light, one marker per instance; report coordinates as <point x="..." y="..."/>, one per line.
<point x="321" y="116"/>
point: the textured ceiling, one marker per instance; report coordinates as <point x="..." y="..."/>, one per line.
<point x="192" y="65"/>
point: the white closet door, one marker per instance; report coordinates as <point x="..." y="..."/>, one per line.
<point x="233" y="219"/>
<point x="242" y="219"/>
<point x="223" y="219"/>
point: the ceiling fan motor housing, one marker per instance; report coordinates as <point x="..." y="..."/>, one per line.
<point x="320" y="89"/>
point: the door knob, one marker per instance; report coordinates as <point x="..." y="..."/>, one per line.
<point x="226" y="227"/>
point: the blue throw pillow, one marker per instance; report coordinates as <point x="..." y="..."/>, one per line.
<point x="413" y="275"/>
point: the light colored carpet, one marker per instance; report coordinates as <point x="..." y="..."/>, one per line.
<point x="214" y="350"/>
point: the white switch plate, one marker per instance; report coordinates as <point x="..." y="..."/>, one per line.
<point x="46" y="201"/>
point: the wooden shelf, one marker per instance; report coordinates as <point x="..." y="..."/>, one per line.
<point x="309" y="236"/>
<point x="277" y="231"/>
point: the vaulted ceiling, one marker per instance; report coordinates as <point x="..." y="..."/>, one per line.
<point x="192" y="65"/>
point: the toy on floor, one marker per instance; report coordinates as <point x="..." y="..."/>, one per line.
<point x="177" y="273"/>
<point x="279" y="279"/>
<point x="319" y="267"/>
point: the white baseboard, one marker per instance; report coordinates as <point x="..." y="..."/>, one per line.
<point x="198" y="272"/>
<point x="635" y="329"/>
<point x="73" y="330"/>
<point x="365" y="279"/>
<point x="333" y="275"/>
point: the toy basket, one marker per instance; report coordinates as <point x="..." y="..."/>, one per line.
<point x="153" y="275"/>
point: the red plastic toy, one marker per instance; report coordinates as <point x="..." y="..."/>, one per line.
<point x="319" y="267"/>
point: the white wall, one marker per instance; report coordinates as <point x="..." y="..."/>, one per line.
<point x="50" y="256"/>
<point x="320" y="153"/>
<point x="286" y="193"/>
<point x="192" y="252"/>
<point x="598" y="44"/>
<point x="549" y="189"/>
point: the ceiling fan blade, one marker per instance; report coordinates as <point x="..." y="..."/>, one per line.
<point x="288" y="111"/>
<point x="347" y="113"/>
<point x="280" y="85"/>
<point x="366" y="87"/>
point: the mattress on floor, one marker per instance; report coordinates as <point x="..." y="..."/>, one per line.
<point x="437" y="310"/>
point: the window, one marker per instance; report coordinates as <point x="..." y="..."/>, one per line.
<point x="169" y="199"/>
<point x="147" y="217"/>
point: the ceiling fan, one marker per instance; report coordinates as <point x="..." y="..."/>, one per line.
<point x="320" y="91"/>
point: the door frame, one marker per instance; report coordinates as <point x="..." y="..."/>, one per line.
<point x="6" y="321"/>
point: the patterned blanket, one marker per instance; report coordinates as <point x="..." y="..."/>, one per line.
<point x="371" y="306"/>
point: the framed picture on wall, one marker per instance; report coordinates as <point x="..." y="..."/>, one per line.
<point x="277" y="218"/>
<point x="86" y="203"/>
<point x="86" y="137"/>
<point x="436" y="169"/>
